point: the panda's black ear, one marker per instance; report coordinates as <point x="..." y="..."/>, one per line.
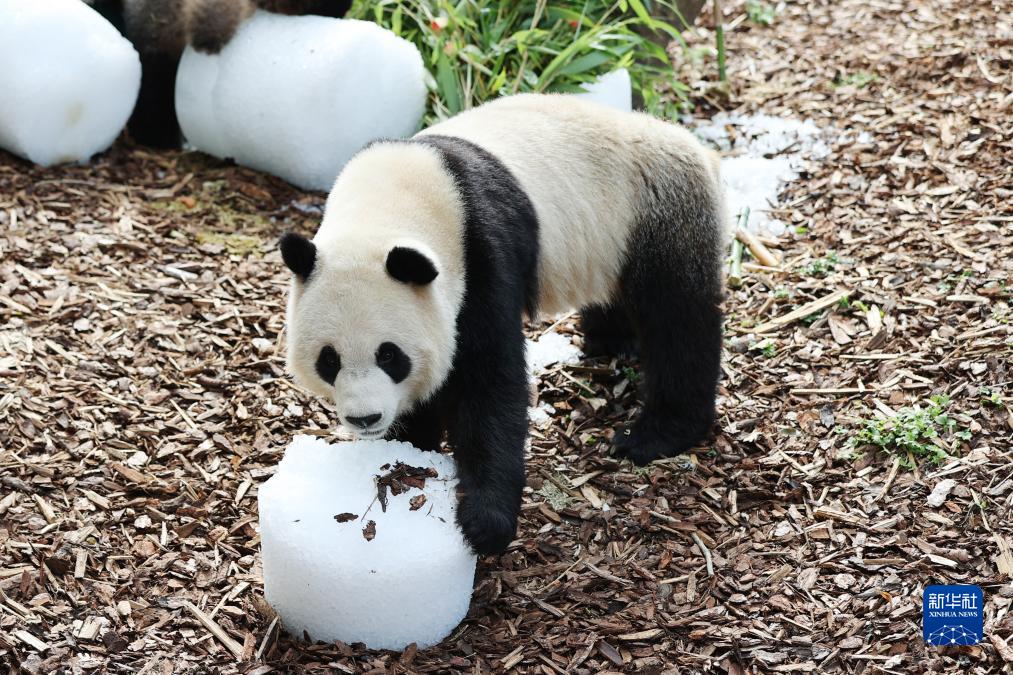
<point x="410" y="266"/>
<point x="299" y="254"/>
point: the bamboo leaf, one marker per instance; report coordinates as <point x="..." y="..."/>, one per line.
<point x="448" y="84"/>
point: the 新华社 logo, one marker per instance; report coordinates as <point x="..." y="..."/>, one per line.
<point x="953" y="615"/>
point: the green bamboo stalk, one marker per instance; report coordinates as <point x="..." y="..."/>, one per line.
<point x="719" y="31"/>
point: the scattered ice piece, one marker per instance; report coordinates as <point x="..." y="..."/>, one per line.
<point x="262" y="345"/>
<point x="549" y="349"/>
<point x="940" y="492"/>
<point x="138" y="459"/>
<point x="612" y="89"/>
<point x="541" y="415"/>
<point x="68" y="80"/>
<point x="297" y="96"/>
<point x="411" y="583"/>
<point x="766" y="153"/>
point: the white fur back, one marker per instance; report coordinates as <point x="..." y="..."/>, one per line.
<point x="580" y="163"/>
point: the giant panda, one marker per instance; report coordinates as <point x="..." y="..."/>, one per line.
<point x="161" y="29"/>
<point x="406" y="307"/>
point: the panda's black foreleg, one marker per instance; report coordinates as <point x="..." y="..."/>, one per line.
<point x="608" y="331"/>
<point x="678" y="321"/>
<point x="421" y="427"/>
<point x="488" y="424"/>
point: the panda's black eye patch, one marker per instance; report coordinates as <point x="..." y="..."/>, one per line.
<point x="328" y="364"/>
<point x="393" y="361"/>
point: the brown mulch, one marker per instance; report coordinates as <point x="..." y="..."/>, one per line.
<point x="143" y="398"/>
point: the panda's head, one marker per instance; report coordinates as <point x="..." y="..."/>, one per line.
<point x="367" y="327"/>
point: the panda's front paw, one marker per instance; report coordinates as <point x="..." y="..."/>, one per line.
<point x="487" y="525"/>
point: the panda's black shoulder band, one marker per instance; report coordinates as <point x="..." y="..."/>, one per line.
<point x="410" y="266"/>
<point x="299" y="254"/>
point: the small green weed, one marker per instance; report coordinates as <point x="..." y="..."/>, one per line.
<point x="557" y="499"/>
<point x="780" y="293"/>
<point x="766" y="347"/>
<point x="991" y="397"/>
<point x="812" y="318"/>
<point x="860" y="306"/>
<point x="857" y="80"/>
<point x="922" y="433"/>
<point x="1001" y="312"/>
<point x="632" y="375"/>
<point x="759" y="12"/>
<point x="822" y="266"/>
<point x="234" y="244"/>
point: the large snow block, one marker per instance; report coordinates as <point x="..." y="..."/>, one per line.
<point x="297" y="96"/>
<point x="340" y="565"/>
<point x="68" y="80"/>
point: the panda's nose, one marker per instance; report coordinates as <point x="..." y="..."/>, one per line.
<point x="364" y="422"/>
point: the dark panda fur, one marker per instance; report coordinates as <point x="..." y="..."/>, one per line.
<point x="161" y="29"/>
<point x="486" y="433"/>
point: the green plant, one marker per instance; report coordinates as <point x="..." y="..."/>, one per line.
<point x="913" y="432"/>
<point x="719" y="39"/>
<point x="766" y="347"/>
<point x="630" y="374"/>
<point x="759" y="12"/>
<point x="811" y="318"/>
<point x="857" y="80"/>
<point x="476" y="50"/>
<point x="991" y="397"/>
<point x="780" y="293"/>
<point x="556" y="498"/>
<point x="1001" y="312"/>
<point x="822" y="266"/>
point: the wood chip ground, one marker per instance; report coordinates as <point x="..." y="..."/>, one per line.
<point x="143" y="399"/>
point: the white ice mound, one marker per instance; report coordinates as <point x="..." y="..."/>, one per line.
<point x="411" y="583"/>
<point x="612" y="89"/>
<point x="68" y="80"/>
<point x="766" y="153"/>
<point x="550" y="349"/>
<point x="297" y="96"/>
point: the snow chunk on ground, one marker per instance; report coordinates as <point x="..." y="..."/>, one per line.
<point x="550" y="349"/>
<point x="297" y="96"/>
<point x="68" y="80"/>
<point x="411" y="582"/>
<point x="765" y="153"/>
<point x="541" y="414"/>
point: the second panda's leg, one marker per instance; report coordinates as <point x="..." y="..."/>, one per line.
<point x="153" y="121"/>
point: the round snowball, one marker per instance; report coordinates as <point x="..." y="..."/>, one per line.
<point x="406" y="578"/>
<point x="69" y="80"/>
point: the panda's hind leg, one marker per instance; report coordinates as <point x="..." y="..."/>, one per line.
<point x="672" y="291"/>
<point x="608" y="331"/>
